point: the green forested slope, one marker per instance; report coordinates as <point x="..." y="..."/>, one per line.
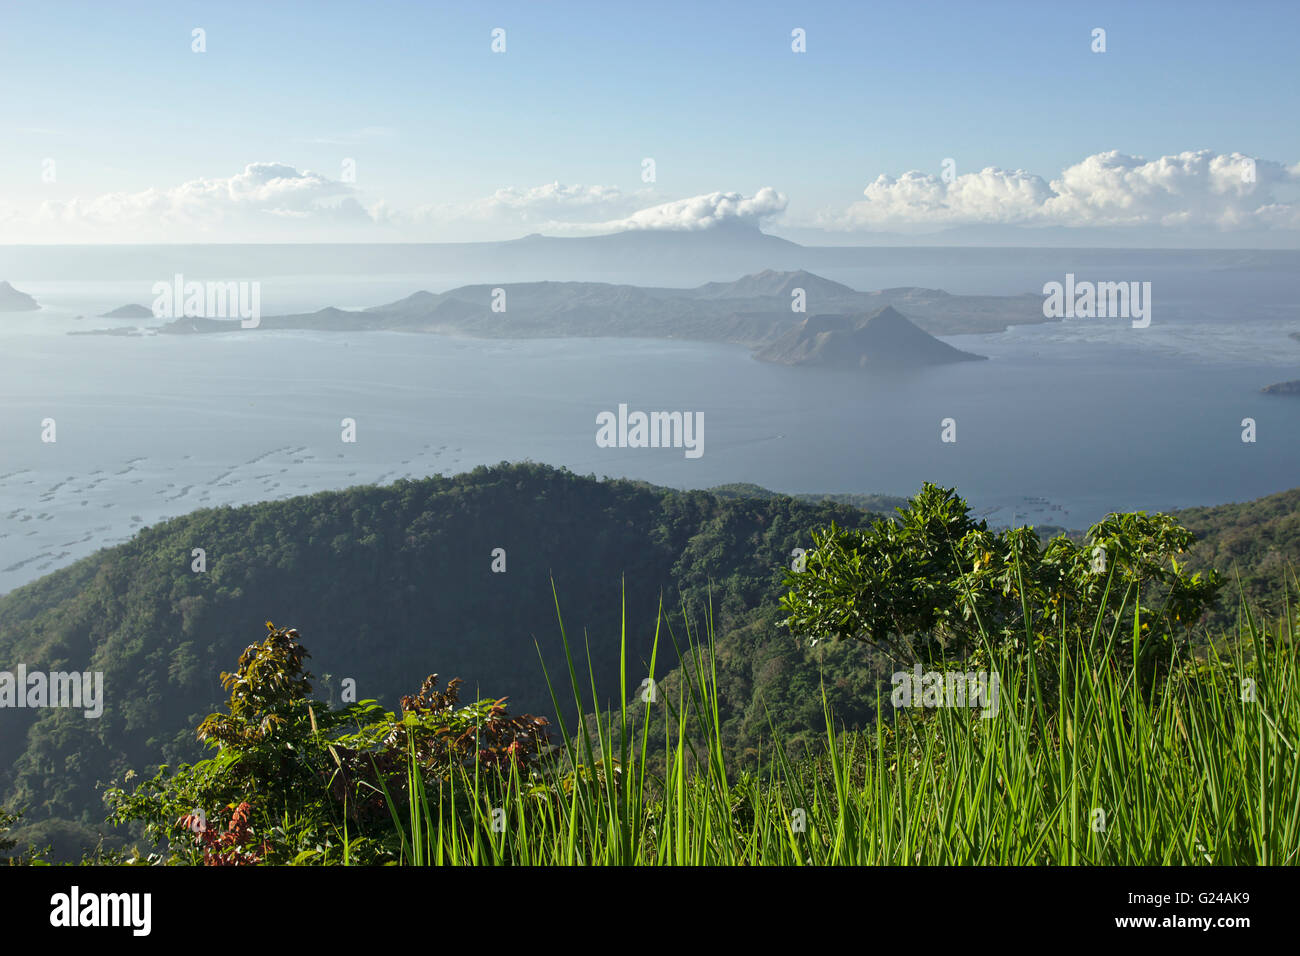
<point x="386" y="585"/>
<point x="1256" y="541"/>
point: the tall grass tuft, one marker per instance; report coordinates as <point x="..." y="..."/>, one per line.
<point x="1202" y="771"/>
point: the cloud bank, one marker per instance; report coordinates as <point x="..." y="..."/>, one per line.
<point x="1201" y="192"/>
<point x="1201" y="188"/>
<point x="261" y="196"/>
<point x="270" y="201"/>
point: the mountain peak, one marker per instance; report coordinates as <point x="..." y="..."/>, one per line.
<point x="421" y="301"/>
<point x="888" y="315"/>
<point x="882" y="339"/>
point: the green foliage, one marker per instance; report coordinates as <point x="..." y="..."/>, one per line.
<point x="936" y="585"/>
<point x="7" y="820"/>
<point x="300" y="780"/>
<point x="1256" y="544"/>
<point x="1202" y="773"/>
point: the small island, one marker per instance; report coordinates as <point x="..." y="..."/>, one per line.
<point x="1282" y="388"/>
<point x="883" y="339"/>
<point x="131" y="311"/>
<point x="11" y="300"/>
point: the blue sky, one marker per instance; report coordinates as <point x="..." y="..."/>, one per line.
<point x="437" y="123"/>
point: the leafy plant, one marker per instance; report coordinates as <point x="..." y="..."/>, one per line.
<point x="234" y="846"/>
<point x="305" y="781"/>
<point x="937" y="585"/>
<point x="7" y="820"/>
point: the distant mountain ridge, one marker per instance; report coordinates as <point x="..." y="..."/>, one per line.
<point x="771" y="282"/>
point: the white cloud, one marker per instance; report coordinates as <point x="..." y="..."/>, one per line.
<point x="990" y="195"/>
<point x="553" y="199"/>
<point x="533" y="207"/>
<point x="557" y="209"/>
<point x="275" y="201"/>
<point x="703" y="212"/>
<point x="263" y="195"/>
<point x="1199" y="188"/>
<point x="1193" y="188"/>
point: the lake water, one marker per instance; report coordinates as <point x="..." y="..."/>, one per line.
<point x="1066" y="421"/>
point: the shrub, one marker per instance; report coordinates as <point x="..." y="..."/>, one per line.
<point x="303" y="780"/>
<point x="935" y="584"/>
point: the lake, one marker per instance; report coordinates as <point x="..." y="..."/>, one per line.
<point x="1065" y="422"/>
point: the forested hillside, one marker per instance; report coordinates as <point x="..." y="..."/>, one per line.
<point x="388" y="585"/>
<point x="1258" y="541"/>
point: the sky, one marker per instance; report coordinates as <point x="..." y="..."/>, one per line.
<point x="399" y="122"/>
